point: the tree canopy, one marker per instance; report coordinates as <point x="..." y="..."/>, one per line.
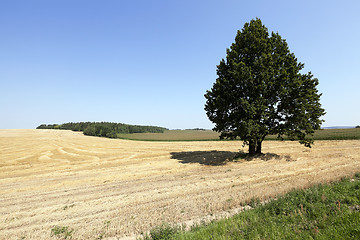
<point x="260" y="90"/>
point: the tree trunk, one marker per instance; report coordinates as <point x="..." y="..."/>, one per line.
<point x="252" y="148"/>
<point x="258" y="147"/>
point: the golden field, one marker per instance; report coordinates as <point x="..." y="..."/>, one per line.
<point x="115" y="188"/>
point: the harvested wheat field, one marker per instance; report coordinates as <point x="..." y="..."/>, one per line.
<point x="114" y="188"/>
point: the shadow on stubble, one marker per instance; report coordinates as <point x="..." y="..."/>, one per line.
<point x="219" y="158"/>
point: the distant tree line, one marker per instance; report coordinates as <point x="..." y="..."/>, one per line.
<point x="196" y="129"/>
<point x="358" y="126"/>
<point x="103" y="129"/>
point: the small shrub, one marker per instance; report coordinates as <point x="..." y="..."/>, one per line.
<point x="254" y="202"/>
<point x="163" y="232"/>
<point x="62" y="232"/>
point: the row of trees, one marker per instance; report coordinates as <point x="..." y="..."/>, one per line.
<point x="196" y="129"/>
<point x="103" y="129"/>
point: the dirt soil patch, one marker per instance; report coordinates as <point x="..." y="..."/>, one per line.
<point x="110" y="187"/>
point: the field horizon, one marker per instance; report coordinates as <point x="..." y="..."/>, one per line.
<point x="109" y="188"/>
<point x="209" y="135"/>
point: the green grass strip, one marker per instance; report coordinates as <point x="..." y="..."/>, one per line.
<point x="329" y="211"/>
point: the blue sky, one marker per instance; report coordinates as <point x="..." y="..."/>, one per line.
<point x="150" y="62"/>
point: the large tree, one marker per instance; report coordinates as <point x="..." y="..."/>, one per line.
<point x="260" y="90"/>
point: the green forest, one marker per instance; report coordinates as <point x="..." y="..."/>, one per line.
<point x="103" y="129"/>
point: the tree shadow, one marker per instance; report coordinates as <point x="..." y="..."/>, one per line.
<point x="210" y="158"/>
<point x="219" y="158"/>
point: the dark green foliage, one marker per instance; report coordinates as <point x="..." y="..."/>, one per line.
<point x="260" y="91"/>
<point x="357" y="126"/>
<point x="196" y="129"/>
<point x="320" y="212"/>
<point x="103" y="129"/>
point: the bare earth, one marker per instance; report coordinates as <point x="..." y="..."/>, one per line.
<point x="112" y="188"/>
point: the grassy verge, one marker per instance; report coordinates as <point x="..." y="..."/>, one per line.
<point x="208" y="135"/>
<point x="321" y="212"/>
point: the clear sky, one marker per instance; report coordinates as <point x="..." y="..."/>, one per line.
<point x="150" y="62"/>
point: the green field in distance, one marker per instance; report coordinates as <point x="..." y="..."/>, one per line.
<point x="209" y="135"/>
